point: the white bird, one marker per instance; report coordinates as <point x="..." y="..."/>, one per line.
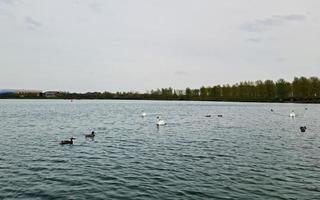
<point x="292" y="114"/>
<point x="160" y="122"/>
<point x="143" y="114"/>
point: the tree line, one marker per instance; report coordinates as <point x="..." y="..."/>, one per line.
<point x="301" y="89"/>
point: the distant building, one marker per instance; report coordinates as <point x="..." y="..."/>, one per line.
<point x="51" y="94"/>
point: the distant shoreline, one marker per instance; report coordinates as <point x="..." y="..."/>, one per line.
<point x="300" y="90"/>
<point x="176" y="100"/>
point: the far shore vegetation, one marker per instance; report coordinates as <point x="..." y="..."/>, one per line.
<point x="300" y="90"/>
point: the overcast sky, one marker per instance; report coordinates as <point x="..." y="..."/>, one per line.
<point x="138" y="45"/>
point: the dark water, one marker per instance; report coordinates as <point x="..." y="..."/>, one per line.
<point x="250" y="153"/>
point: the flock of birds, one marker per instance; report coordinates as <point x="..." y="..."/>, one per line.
<point x="161" y="122"/>
<point x="293" y="115"/>
<point x="63" y="142"/>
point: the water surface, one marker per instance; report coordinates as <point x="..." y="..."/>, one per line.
<point x="249" y="153"/>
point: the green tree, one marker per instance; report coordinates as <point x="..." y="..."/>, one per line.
<point x="203" y="93"/>
<point x="301" y="87"/>
<point x="283" y="89"/>
<point x="314" y="87"/>
<point x="188" y="93"/>
<point x="270" y="89"/>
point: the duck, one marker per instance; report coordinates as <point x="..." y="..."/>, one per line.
<point x="90" y="135"/>
<point x="303" y="129"/>
<point x="160" y="122"/>
<point x="220" y="116"/>
<point x="292" y="114"/>
<point x="63" y="142"/>
<point x="208" y="116"/>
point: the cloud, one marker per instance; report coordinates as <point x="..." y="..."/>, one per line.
<point x="32" y="23"/>
<point x="95" y="7"/>
<point x="6" y="2"/>
<point x="292" y="17"/>
<point x="255" y="40"/>
<point x="261" y="25"/>
<point x="6" y="8"/>
<point x="181" y="73"/>
<point x="280" y="59"/>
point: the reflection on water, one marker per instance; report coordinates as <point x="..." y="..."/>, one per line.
<point x="249" y="153"/>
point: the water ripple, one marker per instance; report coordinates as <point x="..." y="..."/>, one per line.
<point x="251" y="155"/>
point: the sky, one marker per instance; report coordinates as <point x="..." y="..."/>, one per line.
<point x="139" y="45"/>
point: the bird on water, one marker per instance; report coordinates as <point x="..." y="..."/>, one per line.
<point x="143" y="114"/>
<point x="303" y="129"/>
<point x="160" y="122"/>
<point x="63" y="142"/>
<point x="91" y="135"/>
<point x="292" y="114"/>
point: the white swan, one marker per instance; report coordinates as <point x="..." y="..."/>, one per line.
<point x="292" y="114"/>
<point x="160" y="122"/>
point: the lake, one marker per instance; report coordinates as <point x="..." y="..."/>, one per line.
<point x="249" y="153"/>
